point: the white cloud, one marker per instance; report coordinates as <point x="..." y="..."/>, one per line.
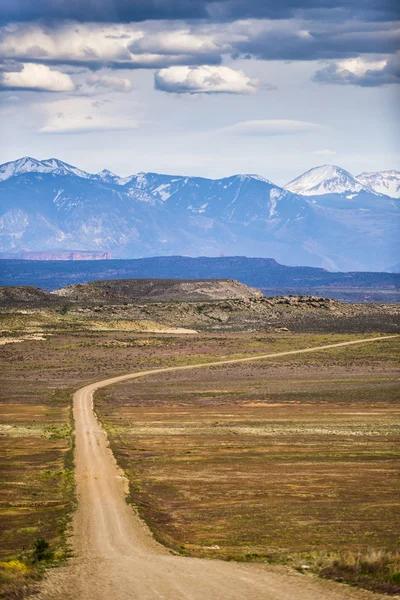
<point x="151" y="45"/>
<point x="66" y="43"/>
<point x="111" y="82"/>
<point x="80" y="115"/>
<point x="361" y="71"/>
<point x="359" y="66"/>
<point x="93" y="45"/>
<point x="180" y="41"/>
<point x="37" y="77"/>
<point x="271" y="127"/>
<point x="204" y="80"/>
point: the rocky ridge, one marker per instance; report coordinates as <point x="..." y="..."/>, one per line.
<point x="250" y="312"/>
<point x="124" y="290"/>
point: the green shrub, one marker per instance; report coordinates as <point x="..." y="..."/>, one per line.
<point x="42" y="550"/>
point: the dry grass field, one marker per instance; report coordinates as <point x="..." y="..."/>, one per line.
<point x="292" y="460"/>
<point x="284" y="460"/>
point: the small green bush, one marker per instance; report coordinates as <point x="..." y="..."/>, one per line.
<point x="42" y="550"/>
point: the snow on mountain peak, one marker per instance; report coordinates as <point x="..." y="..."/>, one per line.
<point x="106" y="176"/>
<point x="140" y="179"/>
<point x="255" y="177"/>
<point x="382" y="182"/>
<point x="28" y="164"/>
<point x="106" y="173"/>
<point x="325" y="179"/>
<point x="25" y="164"/>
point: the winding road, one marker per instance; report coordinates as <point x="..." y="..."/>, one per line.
<point x="115" y="556"/>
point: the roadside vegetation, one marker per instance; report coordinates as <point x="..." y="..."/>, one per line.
<point x="37" y="491"/>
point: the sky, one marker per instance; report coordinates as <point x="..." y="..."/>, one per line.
<point x="201" y="87"/>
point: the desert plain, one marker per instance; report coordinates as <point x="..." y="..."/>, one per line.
<point x="287" y="463"/>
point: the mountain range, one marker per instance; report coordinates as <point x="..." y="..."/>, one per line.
<point x="326" y="217"/>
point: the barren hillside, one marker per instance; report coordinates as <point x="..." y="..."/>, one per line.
<point x="120" y="290"/>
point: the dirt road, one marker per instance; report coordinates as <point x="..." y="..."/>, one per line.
<point x="115" y="557"/>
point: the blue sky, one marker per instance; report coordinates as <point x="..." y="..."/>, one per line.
<point x="200" y="87"/>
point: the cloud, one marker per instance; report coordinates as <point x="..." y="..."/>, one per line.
<point x="314" y="40"/>
<point x="116" y="84"/>
<point x="340" y="10"/>
<point x="116" y="46"/>
<point x="82" y="115"/>
<point x="151" y="46"/>
<point x="361" y="72"/>
<point x="224" y="10"/>
<point x="36" y="78"/>
<point x="179" y="46"/>
<point x="272" y="127"/>
<point x="204" y="80"/>
<point x="103" y="11"/>
<point x="179" y="41"/>
<point x="63" y="44"/>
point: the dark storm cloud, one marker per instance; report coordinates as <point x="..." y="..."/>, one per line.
<point x="224" y="10"/>
<point x="388" y="74"/>
<point x="111" y="11"/>
<point x="312" y="43"/>
<point x="316" y="9"/>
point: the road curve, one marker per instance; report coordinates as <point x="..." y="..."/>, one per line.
<point x="115" y="556"/>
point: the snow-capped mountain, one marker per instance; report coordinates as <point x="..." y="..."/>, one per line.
<point x="106" y="176"/>
<point x="326" y="179"/>
<point x="50" y="205"/>
<point x="382" y="182"/>
<point x="32" y="165"/>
